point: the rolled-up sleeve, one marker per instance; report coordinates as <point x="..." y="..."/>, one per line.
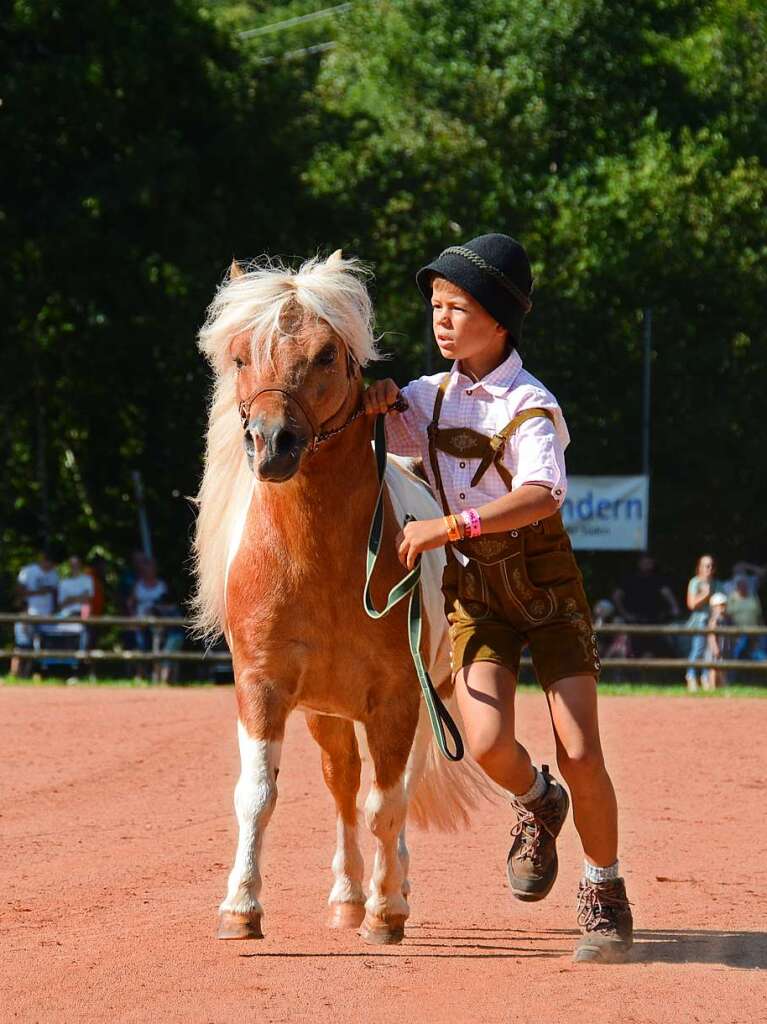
<point x="537" y="456"/>
<point x="404" y="430"/>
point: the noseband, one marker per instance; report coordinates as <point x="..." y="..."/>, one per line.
<point x="318" y="436"/>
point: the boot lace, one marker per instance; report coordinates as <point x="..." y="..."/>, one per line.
<point x="598" y="909"/>
<point x="531" y="826"/>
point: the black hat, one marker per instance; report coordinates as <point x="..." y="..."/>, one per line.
<point x="493" y="269"/>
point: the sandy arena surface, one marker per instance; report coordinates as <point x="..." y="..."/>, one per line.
<point x="118" y="833"/>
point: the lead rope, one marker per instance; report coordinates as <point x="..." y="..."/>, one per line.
<point x="411" y="584"/>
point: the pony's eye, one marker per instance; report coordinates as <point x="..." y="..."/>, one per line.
<point x="238" y="362"/>
<point x="326" y="355"/>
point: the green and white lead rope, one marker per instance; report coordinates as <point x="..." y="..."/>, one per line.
<point x="411" y="584"/>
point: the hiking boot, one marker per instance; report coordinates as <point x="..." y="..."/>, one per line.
<point x="604" y="914"/>
<point x="532" y="863"/>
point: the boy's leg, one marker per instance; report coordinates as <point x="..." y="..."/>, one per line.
<point x="573" y="709"/>
<point x="603" y="909"/>
<point x="485" y="691"/>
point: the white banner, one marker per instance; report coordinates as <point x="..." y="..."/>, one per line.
<point x="607" y="513"/>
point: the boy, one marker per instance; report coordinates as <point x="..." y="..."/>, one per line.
<point x="492" y="439"/>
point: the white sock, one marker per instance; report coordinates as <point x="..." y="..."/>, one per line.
<point x="594" y="874"/>
<point x="535" y="792"/>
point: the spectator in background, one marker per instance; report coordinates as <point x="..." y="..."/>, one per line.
<point x="745" y="610"/>
<point x="613" y="645"/>
<point x="168" y="638"/>
<point x="752" y="575"/>
<point x="148" y="591"/>
<point x="36" y="586"/>
<point x="717" y="645"/>
<point x="699" y="590"/>
<point x="75" y="590"/>
<point x="97" y="570"/>
<point x="127" y="581"/>
<point x="646" y="599"/>
<point x="75" y="593"/>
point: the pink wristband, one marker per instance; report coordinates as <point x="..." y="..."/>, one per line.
<point x="472" y="521"/>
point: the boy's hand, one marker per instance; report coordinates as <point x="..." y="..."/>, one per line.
<point x="381" y="396"/>
<point x="419" y="536"/>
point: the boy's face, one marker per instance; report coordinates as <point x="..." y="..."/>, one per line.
<point x="463" y="328"/>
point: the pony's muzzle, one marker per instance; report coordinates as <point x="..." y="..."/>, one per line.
<point x="274" y="452"/>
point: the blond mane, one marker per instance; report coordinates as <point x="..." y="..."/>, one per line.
<point x="254" y="300"/>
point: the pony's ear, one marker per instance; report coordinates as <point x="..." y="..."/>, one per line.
<point x="335" y="257"/>
<point x="235" y="271"/>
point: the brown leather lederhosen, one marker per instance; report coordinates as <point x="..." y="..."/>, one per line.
<point x="520" y="586"/>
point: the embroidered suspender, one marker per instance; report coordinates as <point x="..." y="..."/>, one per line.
<point x="465" y="441"/>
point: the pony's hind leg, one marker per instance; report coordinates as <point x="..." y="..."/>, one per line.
<point x="341" y="770"/>
<point x="386" y="909"/>
<point x="254" y="798"/>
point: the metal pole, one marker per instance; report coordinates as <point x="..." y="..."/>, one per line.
<point x="646" y="392"/>
<point x="143" y="521"/>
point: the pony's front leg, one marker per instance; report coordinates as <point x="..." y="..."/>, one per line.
<point x="341" y="768"/>
<point x="386" y="909"/>
<point x="254" y="798"/>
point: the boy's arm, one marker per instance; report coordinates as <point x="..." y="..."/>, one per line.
<point x="401" y="430"/>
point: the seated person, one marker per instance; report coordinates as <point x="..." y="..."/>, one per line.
<point x="148" y="591"/>
<point x="75" y="593"/>
<point x="36" y="586"/>
<point x="745" y="609"/>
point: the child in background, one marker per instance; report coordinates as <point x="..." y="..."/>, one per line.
<point x="717" y="646"/>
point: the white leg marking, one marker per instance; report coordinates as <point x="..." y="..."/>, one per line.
<point x="254" y="798"/>
<point x="348" y="866"/>
<point x="385" y="815"/>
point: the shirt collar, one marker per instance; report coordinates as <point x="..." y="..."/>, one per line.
<point x="498" y="382"/>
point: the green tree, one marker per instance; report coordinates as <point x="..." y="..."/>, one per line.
<point x="143" y="147"/>
<point x="625" y="144"/>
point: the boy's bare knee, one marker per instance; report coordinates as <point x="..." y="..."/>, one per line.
<point x="581" y="764"/>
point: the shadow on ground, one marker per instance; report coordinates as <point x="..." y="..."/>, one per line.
<point x="745" y="950"/>
<point x="692" y="946"/>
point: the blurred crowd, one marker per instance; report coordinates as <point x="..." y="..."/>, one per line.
<point x="77" y="590"/>
<point x="647" y="597"/>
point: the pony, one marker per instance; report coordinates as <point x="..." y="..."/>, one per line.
<point x="280" y="550"/>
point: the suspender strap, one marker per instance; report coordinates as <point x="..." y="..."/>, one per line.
<point x="432" y="436"/>
<point x="497" y="444"/>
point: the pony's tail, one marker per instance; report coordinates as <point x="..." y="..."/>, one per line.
<point x="442" y="794"/>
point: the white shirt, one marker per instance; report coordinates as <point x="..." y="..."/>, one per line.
<point x="533" y="454"/>
<point x="75" y="586"/>
<point x="33" y="577"/>
<point x="147" y="596"/>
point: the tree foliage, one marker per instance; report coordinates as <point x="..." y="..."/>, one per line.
<point x="145" y="144"/>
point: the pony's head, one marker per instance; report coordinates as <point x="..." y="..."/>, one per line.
<point x="306" y="332"/>
<point x="291" y="343"/>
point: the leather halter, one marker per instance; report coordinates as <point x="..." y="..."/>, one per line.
<point x="318" y="436"/>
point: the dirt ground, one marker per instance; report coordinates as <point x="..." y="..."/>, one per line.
<point x="118" y="833"/>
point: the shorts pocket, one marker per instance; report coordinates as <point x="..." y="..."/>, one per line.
<point x="553" y="569"/>
<point x="473" y="597"/>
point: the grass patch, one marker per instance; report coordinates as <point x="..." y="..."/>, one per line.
<point x="606" y="688"/>
<point x="132" y="684"/>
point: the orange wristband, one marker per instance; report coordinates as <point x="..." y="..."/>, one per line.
<point x="453" y="527"/>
